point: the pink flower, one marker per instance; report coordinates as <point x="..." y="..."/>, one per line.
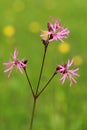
<point x="18" y="63"/>
<point x="67" y="73"/>
<point x="55" y="31"/>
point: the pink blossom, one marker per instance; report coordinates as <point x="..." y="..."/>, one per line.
<point x="67" y="73"/>
<point x="55" y="31"/>
<point x="18" y="63"/>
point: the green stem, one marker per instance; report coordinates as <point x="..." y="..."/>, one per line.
<point x="35" y="99"/>
<point x="45" y="50"/>
<point x="46" y="84"/>
<point x="33" y="112"/>
<point x="29" y="81"/>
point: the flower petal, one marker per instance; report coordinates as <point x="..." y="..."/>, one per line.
<point x="15" y="54"/>
<point x="10" y="68"/>
<point x="8" y="63"/>
<point x="20" y="68"/>
<point x="63" y="78"/>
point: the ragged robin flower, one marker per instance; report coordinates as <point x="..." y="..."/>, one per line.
<point x="67" y="73"/>
<point x="18" y="63"/>
<point x="55" y="32"/>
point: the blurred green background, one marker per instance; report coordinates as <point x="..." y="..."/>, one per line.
<point x="59" y="107"/>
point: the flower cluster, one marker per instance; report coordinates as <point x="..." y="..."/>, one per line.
<point x="55" y="32"/>
<point x="18" y="63"/>
<point x="66" y="72"/>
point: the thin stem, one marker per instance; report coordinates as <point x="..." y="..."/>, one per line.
<point x="46" y="84"/>
<point x="29" y="81"/>
<point x="45" y="50"/>
<point x="33" y="111"/>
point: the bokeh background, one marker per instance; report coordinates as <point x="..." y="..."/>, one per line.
<point x="59" y="107"/>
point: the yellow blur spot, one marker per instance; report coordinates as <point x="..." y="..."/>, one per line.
<point x="78" y="60"/>
<point x="64" y="47"/>
<point x="9" y="31"/>
<point x="18" y="6"/>
<point x="34" y="27"/>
